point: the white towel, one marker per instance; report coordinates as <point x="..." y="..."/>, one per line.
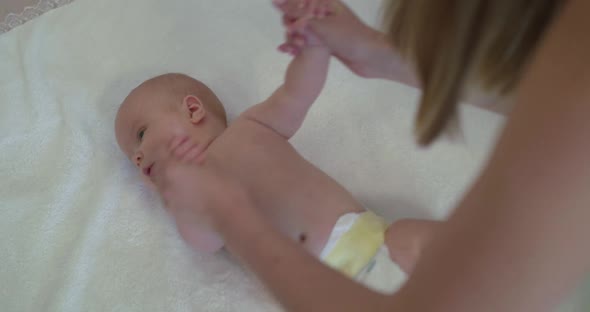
<point x="80" y="233"/>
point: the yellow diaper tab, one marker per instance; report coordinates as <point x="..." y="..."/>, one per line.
<point x="355" y="249"/>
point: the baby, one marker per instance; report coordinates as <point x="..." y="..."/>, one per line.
<point x="176" y="114"/>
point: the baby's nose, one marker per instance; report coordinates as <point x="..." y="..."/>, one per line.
<point x="138" y="159"/>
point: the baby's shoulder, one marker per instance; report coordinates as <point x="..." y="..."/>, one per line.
<point x="246" y="125"/>
<point x="244" y="133"/>
<point x="240" y="131"/>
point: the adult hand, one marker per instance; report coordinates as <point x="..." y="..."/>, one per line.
<point x="364" y="50"/>
<point x="296" y="41"/>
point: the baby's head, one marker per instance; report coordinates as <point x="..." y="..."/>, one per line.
<point x="161" y="109"/>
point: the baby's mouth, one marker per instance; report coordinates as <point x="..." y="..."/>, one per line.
<point x="148" y="170"/>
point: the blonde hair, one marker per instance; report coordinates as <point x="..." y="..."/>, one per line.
<point x="180" y="85"/>
<point x="455" y="43"/>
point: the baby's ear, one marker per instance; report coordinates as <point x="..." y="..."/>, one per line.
<point x="194" y="108"/>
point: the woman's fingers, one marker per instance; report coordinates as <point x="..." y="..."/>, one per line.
<point x="287" y="20"/>
<point x="294" y="8"/>
<point x="303" y="8"/>
<point x="298" y="15"/>
<point x="299" y="25"/>
<point x="312" y="7"/>
<point x="326" y="9"/>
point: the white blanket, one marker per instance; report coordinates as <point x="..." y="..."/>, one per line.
<point x="80" y="233"/>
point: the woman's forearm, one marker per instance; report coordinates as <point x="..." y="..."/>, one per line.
<point x="385" y="62"/>
<point x="519" y="240"/>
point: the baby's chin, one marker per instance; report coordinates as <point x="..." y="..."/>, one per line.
<point x="148" y="182"/>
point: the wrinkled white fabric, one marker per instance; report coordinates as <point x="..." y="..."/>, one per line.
<point x="28" y="13"/>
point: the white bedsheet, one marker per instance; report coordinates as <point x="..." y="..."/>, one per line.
<point x="79" y="232"/>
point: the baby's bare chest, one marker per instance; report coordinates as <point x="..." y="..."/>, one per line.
<point x="277" y="176"/>
<point x="296" y="196"/>
<point x="266" y="161"/>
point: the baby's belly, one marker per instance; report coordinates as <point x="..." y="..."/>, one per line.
<point x="309" y="212"/>
<point x="315" y="239"/>
<point x="300" y="199"/>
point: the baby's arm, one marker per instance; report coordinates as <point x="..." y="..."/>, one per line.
<point x="199" y="237"/>
<point x="286" y="109"/>
<point x="184" y="175"/>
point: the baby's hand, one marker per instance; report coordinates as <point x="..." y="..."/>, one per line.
<point x="298" y="39"/>
<point x="184" y="150"/>
<point x="363" y="49"/>
<point x="200" y="196"/>
<point x="304" y="10"/>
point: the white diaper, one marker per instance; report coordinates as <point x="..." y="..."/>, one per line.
<point x="356" y="248"/>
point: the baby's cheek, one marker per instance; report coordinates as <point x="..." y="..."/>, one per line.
<point x="174" y="129"/>
<point x="163" y="138"/>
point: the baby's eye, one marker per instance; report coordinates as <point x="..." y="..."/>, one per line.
<point x="140" y="134"/>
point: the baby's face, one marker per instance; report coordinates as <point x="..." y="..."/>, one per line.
<point x="147" y="122"/>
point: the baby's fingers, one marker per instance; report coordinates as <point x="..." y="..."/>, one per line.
<point x="289" y="49"/>
<point x="180" y="147"/>
<point x="295" y="43"/>
<point x="192" y="155"/>
<point x="176" y="142"/>
<point x="298" y="41"/>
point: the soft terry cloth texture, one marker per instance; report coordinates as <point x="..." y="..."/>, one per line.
<point x="79" y="232"/>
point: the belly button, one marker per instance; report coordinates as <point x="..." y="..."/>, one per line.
<point x="302" y="238"/>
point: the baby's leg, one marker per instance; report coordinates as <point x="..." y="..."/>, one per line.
<point x="406" y="239"/>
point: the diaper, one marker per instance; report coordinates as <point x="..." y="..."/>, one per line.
<point x="356" y="248"/>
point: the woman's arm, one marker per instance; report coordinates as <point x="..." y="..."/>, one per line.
<point x="368" y="52"/>
<point x="363" y="49"/>
<point x="519" y="240"/>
